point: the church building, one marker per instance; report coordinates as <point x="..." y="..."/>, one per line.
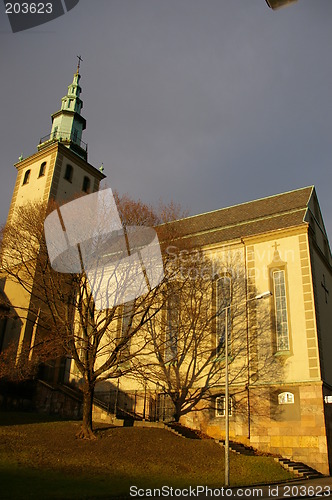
<point x="283" y="248"/>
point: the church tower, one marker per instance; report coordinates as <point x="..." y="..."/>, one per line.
<point x="68" y="123"/>
<point x="59" y="170"/>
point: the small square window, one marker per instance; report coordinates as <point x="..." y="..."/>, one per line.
<point x="220" y="406"/>
<point x="285" y="398"/>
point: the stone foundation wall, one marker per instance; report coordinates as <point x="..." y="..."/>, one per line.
<point x="301" y="436"/>
<point x="301" y="431"/>
<point x="52" y="401"/>
<point x="101" y="416"/>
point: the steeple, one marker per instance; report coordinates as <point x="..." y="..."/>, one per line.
<point x="68" y="123"/>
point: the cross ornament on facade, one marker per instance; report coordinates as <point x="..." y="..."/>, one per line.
<point x="276" y="256"/>
<point x="323" y="283"/>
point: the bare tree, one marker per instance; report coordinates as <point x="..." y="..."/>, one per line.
<point x="186" y="355"/>
<point x="60" y="307"/>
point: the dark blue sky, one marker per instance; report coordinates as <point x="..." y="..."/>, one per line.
<point x="207" y="102"/>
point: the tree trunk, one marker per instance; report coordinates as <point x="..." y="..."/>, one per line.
<point x="177" y="410"/>
<point x="86" y="431"/>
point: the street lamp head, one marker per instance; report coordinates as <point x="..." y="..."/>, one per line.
<point x="263" y="295"/>
<point x="277" y="4"/>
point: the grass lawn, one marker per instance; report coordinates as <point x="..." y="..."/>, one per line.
<point x="42" y="459"/>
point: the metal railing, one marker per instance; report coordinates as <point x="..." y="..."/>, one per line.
<point x="137" y="405"/>
<point x="63" y="137"/>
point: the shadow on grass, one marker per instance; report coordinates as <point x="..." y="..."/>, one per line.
<point x="23" y="483"/>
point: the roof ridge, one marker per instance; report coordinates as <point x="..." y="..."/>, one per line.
<point x="241" y="223"/>
<point x="238" y="205"/>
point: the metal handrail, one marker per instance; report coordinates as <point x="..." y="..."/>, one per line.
<point x="63" y="136"/>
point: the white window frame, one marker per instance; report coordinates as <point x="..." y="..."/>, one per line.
<point x="286" y="398"/>
<point x="281" y="313"/>
<point x="220" y="409"/>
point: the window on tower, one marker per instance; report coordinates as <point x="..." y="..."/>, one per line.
<point x="42" y="169"/>
<point x="69" y="173"/>
<point x="86" y="185"/>
<point x="26" y="177"/>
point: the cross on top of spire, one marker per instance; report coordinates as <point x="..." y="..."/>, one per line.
<point x="79" y="63"/>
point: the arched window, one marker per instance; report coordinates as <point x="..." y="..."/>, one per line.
<point x="172" y="323"/>
<point x="286" y="398"/>
<point x="69" y="173"/>
<point x="128" y="313"/>
<point x="280" y="304"/>
<point x="26" y="177"/>
<point x="42" y="169"/>
<point x="86" y="185"/>
<point x="223" y="287"/>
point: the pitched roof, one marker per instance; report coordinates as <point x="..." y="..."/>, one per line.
<point x="254" y="217"/>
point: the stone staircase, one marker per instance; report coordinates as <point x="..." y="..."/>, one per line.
<point x="239" y="448"/>
<point x="299" y="469"/>
<point x="183" y="431"/>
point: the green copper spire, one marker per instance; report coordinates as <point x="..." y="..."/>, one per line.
<point x="68" y="123"/>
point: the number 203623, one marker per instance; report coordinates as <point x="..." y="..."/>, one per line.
<point x="29" y="8"/>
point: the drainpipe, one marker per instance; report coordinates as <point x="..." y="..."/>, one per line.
<point x="247" y="334"/>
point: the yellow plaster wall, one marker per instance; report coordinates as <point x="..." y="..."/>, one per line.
<point x="296" y="364"/>
<point x="68" y="190"/>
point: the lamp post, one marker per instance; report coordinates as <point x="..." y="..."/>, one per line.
<point x="277" y="4"/>
<point x="261" y="296"/>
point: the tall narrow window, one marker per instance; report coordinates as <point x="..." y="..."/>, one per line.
<point x="86" y="185"/>
<point x="126" y="329"/>
<point x="172" y="326"/>
<point x="221" y="406"/>
<point x="42" y="169"/>
<point x="223" y="300"/>
<point x="281" y="320"/>
<point x="26" y="177"/>
<point x="55" y="132"/>
<point x="75" y="135"/>
<point x="69" y="173"/>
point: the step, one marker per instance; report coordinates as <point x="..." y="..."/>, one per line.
<point x="299" y="469"/>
